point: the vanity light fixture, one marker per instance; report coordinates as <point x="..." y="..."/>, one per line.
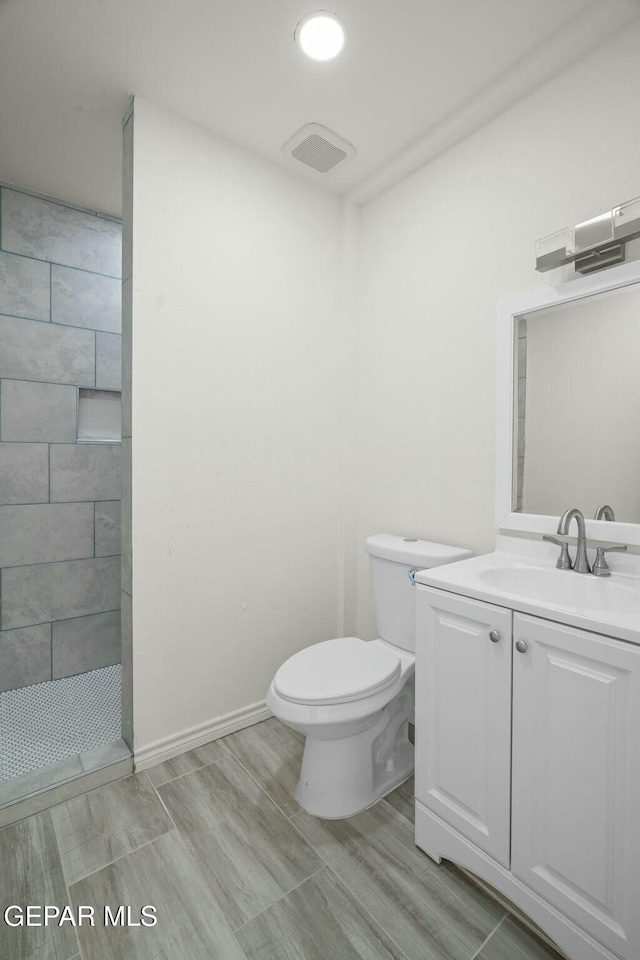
<point x="593" y="244"/>
<point x="320" y="35"/>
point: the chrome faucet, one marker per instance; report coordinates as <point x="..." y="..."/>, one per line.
<point x="600" y="565"/>
<point x="581" y="562"/>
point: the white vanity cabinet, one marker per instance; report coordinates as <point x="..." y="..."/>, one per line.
<point x="576" y="777"/>
<point x="463" y="760"/>
<point x="528" y="766"/>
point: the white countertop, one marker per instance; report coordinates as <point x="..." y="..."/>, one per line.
<point x="521" y="575"/>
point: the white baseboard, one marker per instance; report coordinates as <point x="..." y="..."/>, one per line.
<point x="178" y="743"/>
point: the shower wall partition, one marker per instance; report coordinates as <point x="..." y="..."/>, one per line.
<point x="60" y="360"/>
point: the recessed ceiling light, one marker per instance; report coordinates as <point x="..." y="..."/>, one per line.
<point x="321" y="35"/>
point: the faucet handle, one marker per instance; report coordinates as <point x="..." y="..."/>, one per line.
<point x="600" y="566"/>
<point x="564" y="560"/>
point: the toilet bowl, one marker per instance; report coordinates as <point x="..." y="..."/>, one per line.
<point x="352" y="699"/>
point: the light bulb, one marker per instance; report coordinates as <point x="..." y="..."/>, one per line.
<point x="320" y="35"/>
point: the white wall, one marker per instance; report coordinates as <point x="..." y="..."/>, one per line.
<point x="270" y="437"/>
<point x="439" y="252"/>
<point x="582" y="442"/>
<point x="236" y="424"/>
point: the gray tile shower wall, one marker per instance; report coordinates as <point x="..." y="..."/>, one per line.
<point x="43" y="592"/>
<point x="45" y="532"/>
<point x="108" y="528"/>
<point x="126" y="579"/>
<point x="60" y="329"/>
<point x="108" y="361"/>
<point x="82" y="299"/>
<point x="60" y="234"/>
<point x="24" y="287"/>
<point x="85" y="471"/>
<point x="26" y="656"/>
<point x="85" y="643"/>
<point x="24" y="472"/>
<point x="46" y="352"/>
<point x="37" y="412"/>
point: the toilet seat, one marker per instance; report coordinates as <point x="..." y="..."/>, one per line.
<point x="336" y="671"/>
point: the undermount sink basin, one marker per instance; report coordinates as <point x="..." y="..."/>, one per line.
<point x="565" y="588"/>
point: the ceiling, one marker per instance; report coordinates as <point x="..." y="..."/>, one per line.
<point x="414" y="76"/>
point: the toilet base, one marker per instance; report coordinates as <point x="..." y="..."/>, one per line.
<point x="342" y="777"/>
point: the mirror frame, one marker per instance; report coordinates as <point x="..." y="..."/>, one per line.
<point x="614" y="278"/>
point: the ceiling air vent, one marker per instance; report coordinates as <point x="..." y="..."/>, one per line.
<point x="318" y="147"/>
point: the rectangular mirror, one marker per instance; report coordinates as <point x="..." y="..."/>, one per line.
<point x="578" y="411"/>
<point x="569" y="405"/>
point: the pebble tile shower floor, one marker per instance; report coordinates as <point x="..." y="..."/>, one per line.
<point x="51" y="721"/>
<point x="215" y="840"/>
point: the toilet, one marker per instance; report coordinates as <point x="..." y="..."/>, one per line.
<point x="353" y="699"/>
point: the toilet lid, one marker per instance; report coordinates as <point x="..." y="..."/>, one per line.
<point x="336" y="671"/>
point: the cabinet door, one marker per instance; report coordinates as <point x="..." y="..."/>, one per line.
<point x="576" y="777"/>
<point x="463" y="716"/>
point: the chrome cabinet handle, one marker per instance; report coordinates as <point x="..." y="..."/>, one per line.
<point x="494" y="636"/>
<point x="522" y="646"/>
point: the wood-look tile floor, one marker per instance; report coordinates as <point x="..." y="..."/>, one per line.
<point x="215" y="840"/>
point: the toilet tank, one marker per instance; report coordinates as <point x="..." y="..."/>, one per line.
<point x="392" y="559"/>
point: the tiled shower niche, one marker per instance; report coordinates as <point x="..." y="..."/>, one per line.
<point x="60" y="332"/>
